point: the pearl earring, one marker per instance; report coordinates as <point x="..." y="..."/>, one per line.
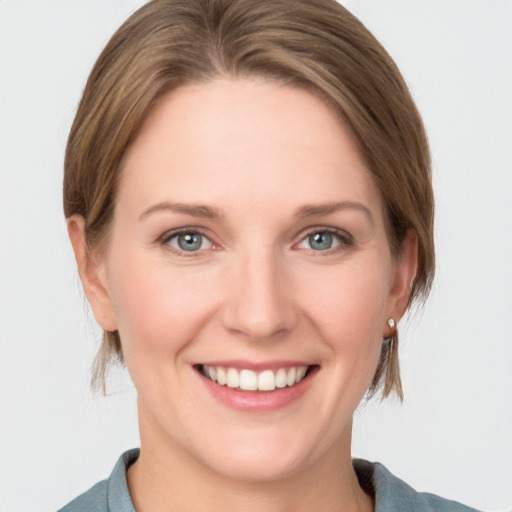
<point x="391" y="323"/>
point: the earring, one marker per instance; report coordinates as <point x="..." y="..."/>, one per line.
<point x="391" y="323"/>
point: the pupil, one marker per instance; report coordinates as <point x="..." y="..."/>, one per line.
<point x="320" y="241"/>
<point x="190" y="241"/>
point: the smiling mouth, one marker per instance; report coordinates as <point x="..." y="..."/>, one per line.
<point x="249" y="380"/>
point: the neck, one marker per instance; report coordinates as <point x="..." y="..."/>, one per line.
<point x="167" y="477"/>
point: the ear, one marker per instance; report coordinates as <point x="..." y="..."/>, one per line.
<point x="91" y="268"/>
<point x="405" y="271"/>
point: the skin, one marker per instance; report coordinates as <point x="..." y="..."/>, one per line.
<point x="256" y="154"/>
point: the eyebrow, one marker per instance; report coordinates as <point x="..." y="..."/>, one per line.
<point x="195" y="210"/>
<point x="199" y="210"/>
<point x="328" y="208"/>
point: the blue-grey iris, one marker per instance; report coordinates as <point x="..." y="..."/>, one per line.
<point x="320" y="241"/>
<point x="190" y="241"/>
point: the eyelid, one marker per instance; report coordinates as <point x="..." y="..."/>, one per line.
<point x="168" y="235"/>
<point x="180" y="231"/>
<point x="344" y="237"/>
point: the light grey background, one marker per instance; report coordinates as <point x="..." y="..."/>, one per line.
<point x="453" y="434"/>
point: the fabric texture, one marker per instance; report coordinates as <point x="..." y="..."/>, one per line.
<point x="391" y="493"/>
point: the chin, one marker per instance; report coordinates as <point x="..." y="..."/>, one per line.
<point x="256" y="469"/>
<point x="267" y="457"/>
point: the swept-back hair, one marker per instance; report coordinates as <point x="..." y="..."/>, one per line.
<point x="316" y="45"/>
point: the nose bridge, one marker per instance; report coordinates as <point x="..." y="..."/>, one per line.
<point x="259" y="303"/>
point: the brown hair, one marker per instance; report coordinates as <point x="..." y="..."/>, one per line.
<point x="313" y="44"/>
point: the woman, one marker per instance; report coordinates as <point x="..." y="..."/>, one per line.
<point x="247" y="188"/>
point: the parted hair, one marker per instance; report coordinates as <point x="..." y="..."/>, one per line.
<point x="316" y="45"/>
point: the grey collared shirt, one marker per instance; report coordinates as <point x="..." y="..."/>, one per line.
<point x="391" y="493"/>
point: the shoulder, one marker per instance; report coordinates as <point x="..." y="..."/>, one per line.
<point x="394" y="495"/>
<point x="94" y="500"/>
<point x="110" y="495"/>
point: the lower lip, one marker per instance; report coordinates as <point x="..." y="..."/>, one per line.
<point x="262" y="401"/>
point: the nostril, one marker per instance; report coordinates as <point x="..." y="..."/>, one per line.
<point x="259" y="305"/>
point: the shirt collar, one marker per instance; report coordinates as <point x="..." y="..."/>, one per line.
<point x="390" y="493"/>
<point x="118" y="494"/>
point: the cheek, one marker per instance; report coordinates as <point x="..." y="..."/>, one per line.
<point x="350" y="304"/>
<point x="349" y="311"/>
<point x="158" y="309"/>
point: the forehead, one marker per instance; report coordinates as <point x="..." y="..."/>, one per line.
<point x="257" y="139"/>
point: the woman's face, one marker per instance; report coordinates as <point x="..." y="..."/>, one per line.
<point x="248" y="249"/>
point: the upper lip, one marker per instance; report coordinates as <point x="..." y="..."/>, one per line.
<point x="255" y="366"/>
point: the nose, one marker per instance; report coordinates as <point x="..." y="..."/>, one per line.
<point x="259" y="303"/>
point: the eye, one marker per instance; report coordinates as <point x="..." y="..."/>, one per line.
<point x="188" y="241"/>
<point x="321" y="241"/>
<point x="324" y="239"/>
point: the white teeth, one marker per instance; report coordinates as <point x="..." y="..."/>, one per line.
<point x="290" y="378"/>
<point x="232" y="378"/>
<point x="266" y="381"/>
<point x="281" y="378"/>
<point x="221" y="376"/>
<point x="301" y="372"/>
<point x="249" y="380"/>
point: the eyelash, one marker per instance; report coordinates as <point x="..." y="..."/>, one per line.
<point x="167" y="237"/>
<point x="345" y="240"/>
